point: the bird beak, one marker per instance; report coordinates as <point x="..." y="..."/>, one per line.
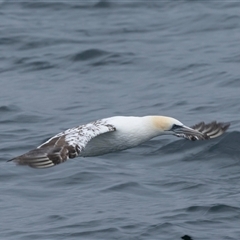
<point x="189" y="133"/>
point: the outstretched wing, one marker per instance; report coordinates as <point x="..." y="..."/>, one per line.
<point x="210" y="130"/>
<point x="65" y="145"/>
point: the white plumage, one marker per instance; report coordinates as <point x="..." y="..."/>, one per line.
<point x="110" y="135"/>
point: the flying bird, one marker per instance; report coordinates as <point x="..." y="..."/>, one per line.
<point x="111" y="135"/>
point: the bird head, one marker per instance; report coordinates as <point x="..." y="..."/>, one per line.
<point x="171" y="126"/>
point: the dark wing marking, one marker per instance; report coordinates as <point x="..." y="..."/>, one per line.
<point x="65" y="145"/>
<point x="210" y="130"/>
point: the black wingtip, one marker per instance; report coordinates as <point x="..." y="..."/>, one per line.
<point x="210" y="130"/>
<point x="225" y="126"/>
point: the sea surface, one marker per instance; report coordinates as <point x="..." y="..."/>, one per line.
<point x="66" y="63"/>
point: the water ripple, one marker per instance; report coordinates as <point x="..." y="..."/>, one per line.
<point x="68" y="63"/>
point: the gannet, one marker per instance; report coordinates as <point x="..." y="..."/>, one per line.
<point x="113" y="134"/>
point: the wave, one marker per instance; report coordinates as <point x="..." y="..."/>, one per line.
<point x="88" y="54"/>
<point x="228" y="144"/>
<point x="97" y="57"/>
<point x="212" y="209"/>
<point x="9" y="108"/>
<point x="93" y="4"/>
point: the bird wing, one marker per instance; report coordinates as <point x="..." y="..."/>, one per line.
<point x="210" y="130"/>
<point x="65" y="145"/>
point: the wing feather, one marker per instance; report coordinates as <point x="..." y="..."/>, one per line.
<point x="65" y="145"/>
<point x="210" y="130"/>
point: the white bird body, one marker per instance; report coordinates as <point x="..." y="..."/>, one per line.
<point x="131" y="131"/>
<point x="111" y="135"/>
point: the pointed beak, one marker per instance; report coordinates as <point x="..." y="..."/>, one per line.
<point x="189" y="133"/>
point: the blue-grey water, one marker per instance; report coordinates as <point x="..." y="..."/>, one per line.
<point x="65" y="63"/>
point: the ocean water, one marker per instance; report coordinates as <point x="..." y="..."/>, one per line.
<point x="65" y="63"/>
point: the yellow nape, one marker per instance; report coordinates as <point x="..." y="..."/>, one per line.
<point x="164" y="123"/>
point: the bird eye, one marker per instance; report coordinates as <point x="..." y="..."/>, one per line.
<point x="175" y="126"/>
